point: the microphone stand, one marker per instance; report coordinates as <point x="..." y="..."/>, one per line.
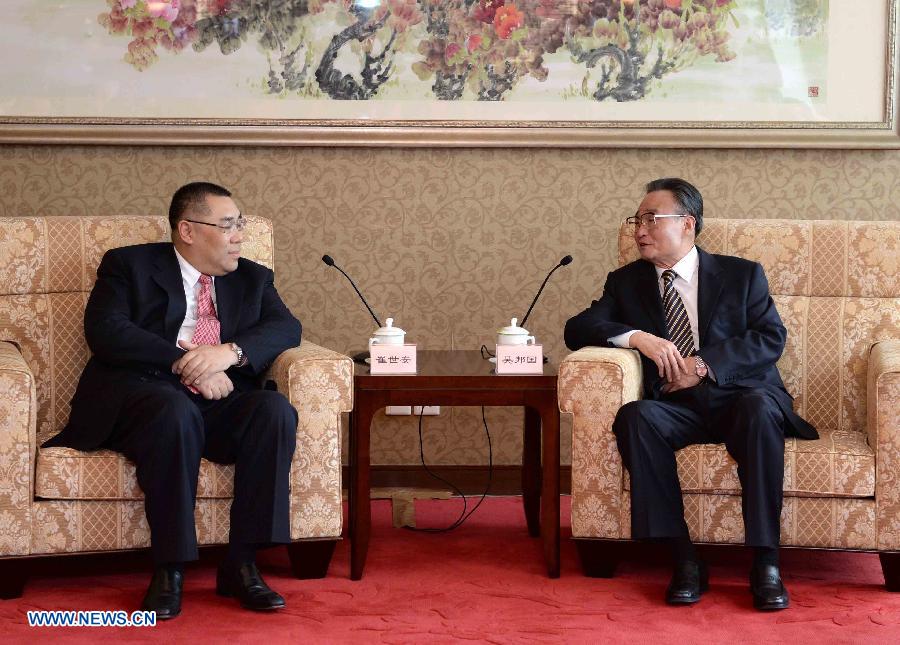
<point x="566" y="260"/>
<point x="538" y="295"/>
<point x="361" y="356"/>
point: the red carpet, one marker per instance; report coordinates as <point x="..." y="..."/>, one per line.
<point x="483" y="582"/>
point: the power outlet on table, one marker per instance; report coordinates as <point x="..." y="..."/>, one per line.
<point x="401" y="410"/>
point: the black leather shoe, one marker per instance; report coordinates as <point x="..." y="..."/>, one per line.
<point x="164" y="593"/>
<point x="245" y="584"/>
<point x="689" y="581"/>
<point x="768" y="591"/>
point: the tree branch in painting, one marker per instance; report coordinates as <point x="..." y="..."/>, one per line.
<point x="636" y="43"/>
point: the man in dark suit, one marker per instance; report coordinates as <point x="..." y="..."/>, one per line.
<point x="181" y="333"/>
<point x="709" y="337"/>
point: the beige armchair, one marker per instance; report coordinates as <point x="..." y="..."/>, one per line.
<point x="837" y="287"/>
<point x="58" y="500"/>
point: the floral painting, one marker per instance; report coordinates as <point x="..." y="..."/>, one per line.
<point x="451" y="50"/>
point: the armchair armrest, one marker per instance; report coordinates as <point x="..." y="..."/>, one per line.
<point x="289" y="368"/>
<point x="594" y="383"/>
<point x="618" y="370"/>
<point x="883" y="430"/>
<point x="18" y="446"/>
<point x="319" y="384"/>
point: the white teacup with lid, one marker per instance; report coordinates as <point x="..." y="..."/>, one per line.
<point x="514" y="335"/>
<point x="388" y="335"/>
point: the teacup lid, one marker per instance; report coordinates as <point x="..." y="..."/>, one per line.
<point x="513" y="329"/>
<point x="389" y="329"/>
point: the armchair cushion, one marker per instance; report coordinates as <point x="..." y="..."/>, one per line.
<point x="837" y="464"/>
<point x="64" y="473"/>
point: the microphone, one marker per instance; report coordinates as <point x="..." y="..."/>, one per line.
<point x="566" y="260"/>
<point x="361" y="356"/>
<point x="327" y="259"/>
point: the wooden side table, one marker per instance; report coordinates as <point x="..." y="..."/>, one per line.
<point x="463" y="378"/>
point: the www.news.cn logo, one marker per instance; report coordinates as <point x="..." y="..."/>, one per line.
<point x="91" y="619"/>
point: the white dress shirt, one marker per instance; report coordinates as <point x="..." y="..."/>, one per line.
<point x="190" y="280"/>
<point x="687" y="284"/>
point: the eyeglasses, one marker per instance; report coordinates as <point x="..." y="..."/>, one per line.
<point x="234" y="225"/>
<point x="649" y="219"/>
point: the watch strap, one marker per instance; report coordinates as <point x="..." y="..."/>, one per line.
<point x="242" y="358"/>
<point x="701" y="366"/>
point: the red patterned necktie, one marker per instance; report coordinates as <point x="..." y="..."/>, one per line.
<point x="207" y="330"/>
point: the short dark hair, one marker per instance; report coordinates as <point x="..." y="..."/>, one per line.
<point x="686" y="195"/>
<point x="192" y="197"/>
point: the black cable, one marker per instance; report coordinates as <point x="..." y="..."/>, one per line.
<point x="463" y="516"/>
<point x="439" y="478"/>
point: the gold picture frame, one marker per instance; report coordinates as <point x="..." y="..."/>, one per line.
<point x="508" y="126"/>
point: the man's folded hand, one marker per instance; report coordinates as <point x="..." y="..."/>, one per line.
<point x="201" y="361"/>
<point x="685" y="379"/>
<point x="215" y="386"/>
<point x="661" y="351"/>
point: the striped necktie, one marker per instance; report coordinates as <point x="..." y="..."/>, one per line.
<point x="677" y="323"/>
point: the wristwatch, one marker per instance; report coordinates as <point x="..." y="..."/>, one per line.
<point x="701" y="369"/>
<point x="242" y="360"/>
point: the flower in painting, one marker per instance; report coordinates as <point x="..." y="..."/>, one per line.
<point x="507" y="19"/>
<point x="116" y="22"/>
<point x="220" y="7"/>
<point x="170" y="24"/>
<point x="487" y="9"/>
<point x="179" y="38"/>
<point x="165" y="9"/>
<point x="141" y="53"/>
<point x="402" y="14"/>
<point x="473" y="42"/>
<point x="668" y="20"/>
<point x="143" y="29"/>
<point x="450" y="51"/>
<point x="552" y="9"/>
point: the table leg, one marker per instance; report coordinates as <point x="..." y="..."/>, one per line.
<point x="360" y="518"/>
<point x="531" y="470"/>
<point x="351" y="476"/>
<point x="550" y="486"/>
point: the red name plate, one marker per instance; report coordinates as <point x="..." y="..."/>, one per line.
<point x="392" y="359"/>
<point x="520" y="359"/>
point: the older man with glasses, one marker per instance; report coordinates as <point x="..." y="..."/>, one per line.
<point x="180" y="334"/>
<point x="709" y="337"/>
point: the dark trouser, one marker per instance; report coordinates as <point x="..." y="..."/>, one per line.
<point x="165" y="431"/>
<point x="749" y="423"/>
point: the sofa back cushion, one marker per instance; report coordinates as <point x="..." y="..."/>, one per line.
<point x="837" y="287"/>
<point x="48" y="266"/>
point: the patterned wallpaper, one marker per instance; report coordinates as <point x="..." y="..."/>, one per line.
<point x="451" y="243"/>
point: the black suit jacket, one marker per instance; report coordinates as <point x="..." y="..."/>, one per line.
<point x="741" y="333"/>
<point x="131" y="323"/>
